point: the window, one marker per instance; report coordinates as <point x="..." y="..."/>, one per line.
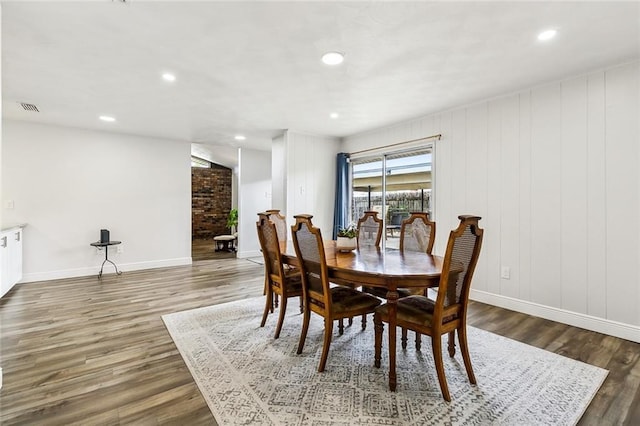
<point x="393" y="184"/>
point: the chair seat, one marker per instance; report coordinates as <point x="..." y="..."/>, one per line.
<point x="293" y="281"/>
<point x="414" y="310"/>
<point x="382" y="292"/>
<point x="345" y="299"/>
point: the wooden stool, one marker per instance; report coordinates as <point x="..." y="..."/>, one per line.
<point x="225" y="242"/>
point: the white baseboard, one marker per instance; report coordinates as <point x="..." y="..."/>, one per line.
<point x="251" y="253"/>
<point x="108" y="269"/>
<point x="588" y="322"/>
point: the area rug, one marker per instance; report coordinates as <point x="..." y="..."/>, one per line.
<point x="247" y="377"/>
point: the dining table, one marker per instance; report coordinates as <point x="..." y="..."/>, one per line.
<point x="389" y="269"/>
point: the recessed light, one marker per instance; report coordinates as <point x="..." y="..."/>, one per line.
<point x="239" y="137"/>
<point x="547" y="35"/>
<point x="333" y="58"/>
<point x="107" y="118"/>
<point x="334" y="115"/>
<point x="168" y="77"/>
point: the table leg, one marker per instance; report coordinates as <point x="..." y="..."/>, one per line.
<point x="392" y="303"/>
<point x="106" y="259"/>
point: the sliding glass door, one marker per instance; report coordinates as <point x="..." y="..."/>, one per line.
<point x="393" y="184"/>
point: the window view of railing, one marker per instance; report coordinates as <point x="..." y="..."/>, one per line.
<point x="406" y="187"/>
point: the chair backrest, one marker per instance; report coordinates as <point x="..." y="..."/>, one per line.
<point x="270" y="245"/>
<point x="461" y="257"/>
<point x="307" y="241"/>
<point x="280" y="222"/>
<point x="369" y="229"/>
<point x="418" y="233"/>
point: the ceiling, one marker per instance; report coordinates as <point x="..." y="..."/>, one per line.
<point x="253" y="68"/>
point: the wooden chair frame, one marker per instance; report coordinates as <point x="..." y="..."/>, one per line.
<point x="374" y="216"/>
<point x="278" y="280"/>
<point x="448" y="315"/>
<point x="418" y="216"/>
<point x="321" y="302"/>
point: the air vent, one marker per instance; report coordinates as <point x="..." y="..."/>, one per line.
<point x="29" y="107"/>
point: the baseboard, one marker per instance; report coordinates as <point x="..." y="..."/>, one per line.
<point x="588" y="322"/>
<point x="108" y="269"/>
<point x="245" y="254"/>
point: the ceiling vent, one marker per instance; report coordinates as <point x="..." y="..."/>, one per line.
<point x="29" y="107"/>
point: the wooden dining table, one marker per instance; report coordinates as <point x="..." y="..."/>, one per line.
<point x="389" y="269"/>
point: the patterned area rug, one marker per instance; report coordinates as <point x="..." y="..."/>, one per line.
<point x="247" y="377"/>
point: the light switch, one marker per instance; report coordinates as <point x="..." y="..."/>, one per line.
<point x="10" y="204"/>
<point x="505" y="272"/>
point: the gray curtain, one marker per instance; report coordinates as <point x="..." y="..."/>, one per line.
<point x="341" y="210"/>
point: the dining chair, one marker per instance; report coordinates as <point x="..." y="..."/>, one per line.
<point x="448" y="312"/>
<point x="330" y="302"/>
<point x="369" y="229"/>
<point x="280" y="222"/>
<point x="417" y="233"/>
<point x="286" y="283"/>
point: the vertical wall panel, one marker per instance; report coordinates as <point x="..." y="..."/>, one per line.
<point x="459" y="164"/>
<point x="622" y="193"/>
<point x="545" y="195"/>
<point x="596" y="198"/>
<point x="443" y="182"/>
<point x="524" y="166"/>
<point x="571" y="230"/>
<point x="477" y="179"/>
<point x="311" y="177"/>
<point x="509" y="208"/>
<point x="574" y="195"/>
<point x="491" y="239"/>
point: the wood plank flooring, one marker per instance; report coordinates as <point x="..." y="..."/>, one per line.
<point x="86" y="351"/>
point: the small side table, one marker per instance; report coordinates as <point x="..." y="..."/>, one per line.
<point x="106" y="254"/>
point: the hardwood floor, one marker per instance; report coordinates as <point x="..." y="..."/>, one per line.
<point x="85" y="351"/>
<point x="206" y="250"/>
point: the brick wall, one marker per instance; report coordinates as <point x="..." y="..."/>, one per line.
<point x="210" y="201"/>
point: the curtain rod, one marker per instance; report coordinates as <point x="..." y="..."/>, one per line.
<point x="438" y="136"/>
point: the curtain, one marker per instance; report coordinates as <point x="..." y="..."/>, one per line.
<point x="341" y="209"/>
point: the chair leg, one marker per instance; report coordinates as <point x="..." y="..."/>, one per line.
<point x="404" y="338"/>
<point x="328" y="331"/>
<point x="301" y="305"/>
<point x="378" y="327"/>
<point x="436" y="344"/>
<point x="267" y="306"/>
<point x="275" y="299"/>
<point x="283" y="311"/>
<point x="305" y="328"/>
<point x="418" y="341"/>
<point x="451" y="343"/>
<point x="340" y="326"/>
<point x="350" y="321"/>
<point x="464" y="348"/>
<point x="364" y="321"/>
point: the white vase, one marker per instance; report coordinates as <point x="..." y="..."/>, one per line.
<point x="345" y="244"/>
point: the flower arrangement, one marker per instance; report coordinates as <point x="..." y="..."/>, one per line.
<point x="349" y="232"/>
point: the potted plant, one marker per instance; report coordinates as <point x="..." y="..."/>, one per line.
<point x="347" y="238"/>
<point x="232" y="220"/>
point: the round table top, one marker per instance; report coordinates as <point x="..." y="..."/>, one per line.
<point x="107" y="243"/>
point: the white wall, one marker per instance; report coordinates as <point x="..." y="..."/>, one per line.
<point x="311" y="178"/>
<point x="278" y="174"/>
<point x="67" y="184"/>
<point x="254" y="196"/>
<point x="553" y="171"/>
